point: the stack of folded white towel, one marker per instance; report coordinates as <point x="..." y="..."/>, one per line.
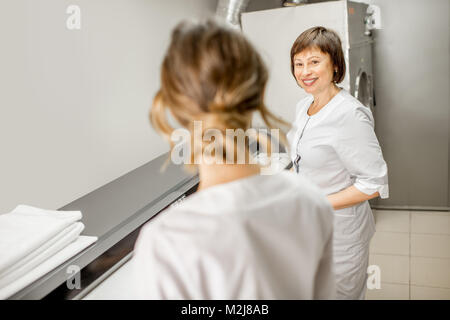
<point x="33" y="242"/>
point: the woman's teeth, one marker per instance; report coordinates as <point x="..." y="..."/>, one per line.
<point x="309" y="81"/>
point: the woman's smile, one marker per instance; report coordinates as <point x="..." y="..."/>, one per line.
<point x="309" y="81"/>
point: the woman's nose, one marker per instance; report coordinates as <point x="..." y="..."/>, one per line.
<point x="305" y="72"/>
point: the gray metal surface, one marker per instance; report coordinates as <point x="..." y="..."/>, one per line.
<point x="115" y="210"/>
<point x="356" y="12"/>
<point x="360" y="54"/>
<point x="105" y="208"/>
<point x="361" y="74"/>
<point x="412" y="81"/>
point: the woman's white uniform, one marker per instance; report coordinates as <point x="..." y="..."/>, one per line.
<point x="261" y="237"/>
<point x="338" y="148"/>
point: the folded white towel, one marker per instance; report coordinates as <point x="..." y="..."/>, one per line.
<point x="26" y="229"/>
<point x="62" y="256"/>
<point x="48" y="249"/>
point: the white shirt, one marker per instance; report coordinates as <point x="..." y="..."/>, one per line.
<point x="338" y="149"/>
<point x="261" y="237"/>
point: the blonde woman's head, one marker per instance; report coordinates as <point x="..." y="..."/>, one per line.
<point x="211" y="74"/>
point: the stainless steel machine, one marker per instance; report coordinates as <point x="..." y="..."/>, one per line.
<point x="360" y="53"/>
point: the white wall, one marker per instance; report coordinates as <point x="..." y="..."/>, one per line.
<point x="74" y="104"/>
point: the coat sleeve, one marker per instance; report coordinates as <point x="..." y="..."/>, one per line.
<point x="358" y="148"/>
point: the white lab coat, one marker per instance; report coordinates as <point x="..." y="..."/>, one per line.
<point x="261" y="237"/>
<point x="338" y="149"/>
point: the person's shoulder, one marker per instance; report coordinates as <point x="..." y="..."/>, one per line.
<point x="163" y="221"/>
<point x="193" y="233"/>
<point x="351" y="109"/>
<point x="303" y="103"/>
<point x="175" y="229"/>
<point x="305" y="99"/>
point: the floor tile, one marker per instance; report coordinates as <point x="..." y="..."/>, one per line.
<point x="428" y="293"/>
<point x="390" y="243"/>
<point x="430" y="245"/>
<point x="389" y="291"/>
<point x="394" y="269"/>
<point x="392" y="220"/>
<point x="430" y="222"/>
<point x="430" y="272"/>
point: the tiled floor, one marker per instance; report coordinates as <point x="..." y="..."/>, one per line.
<point x="412" y="250"/>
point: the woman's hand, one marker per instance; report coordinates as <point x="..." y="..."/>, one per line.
<point x="349" y="197"/>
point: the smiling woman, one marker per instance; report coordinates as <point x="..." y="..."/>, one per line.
<point x="334" y="145"/>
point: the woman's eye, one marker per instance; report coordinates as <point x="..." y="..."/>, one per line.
<point x="315" y="62"/>
<point x="298" y="64"/>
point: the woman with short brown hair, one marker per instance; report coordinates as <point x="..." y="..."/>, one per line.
<point x="333" y="144"/>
